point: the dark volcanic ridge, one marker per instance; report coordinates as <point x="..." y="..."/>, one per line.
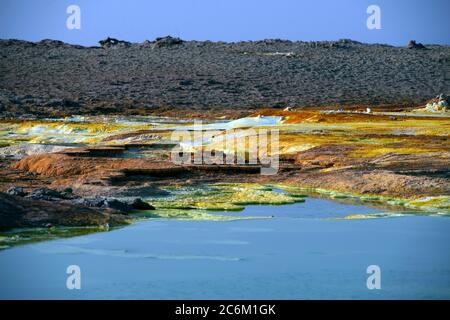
<point x="52" y="78"/>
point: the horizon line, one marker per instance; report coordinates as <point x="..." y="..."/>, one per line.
<point x="222" y="41"/>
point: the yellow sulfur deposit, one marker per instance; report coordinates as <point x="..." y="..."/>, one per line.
<point x="198" y="215"/>
<point x="223" y="197"/>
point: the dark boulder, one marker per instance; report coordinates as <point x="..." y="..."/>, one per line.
<point x="16" y="191"/>
<point x="18" y="212"/>
<point x="167" y="41"/>
<point x="112" y="42"/>
<point x="138" y="204"/>
<point x="113" y="204"/>
<point x="414" y="45"/>
<point x="96" y="202"/>
<point x="117" y="205"/>
<point x="68" y="190"/>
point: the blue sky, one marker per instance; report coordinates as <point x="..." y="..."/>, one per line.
<point x="426" y="21"/>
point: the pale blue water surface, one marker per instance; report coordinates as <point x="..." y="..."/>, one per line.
<point x="294" y="255"/>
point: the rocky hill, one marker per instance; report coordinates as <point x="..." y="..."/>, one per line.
<point x="53" y="78"/>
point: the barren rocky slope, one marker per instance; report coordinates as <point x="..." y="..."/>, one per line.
<point x="53" y="78"/>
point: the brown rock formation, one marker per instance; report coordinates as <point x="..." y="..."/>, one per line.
<point x="18" y="212"/>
